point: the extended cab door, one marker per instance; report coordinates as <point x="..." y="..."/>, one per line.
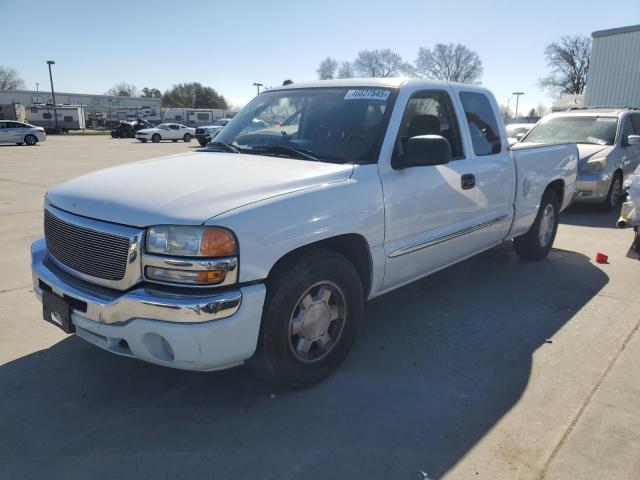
<point x="430" y="211"/>
<point x="487" y="148"/>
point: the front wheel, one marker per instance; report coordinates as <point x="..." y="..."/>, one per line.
<point x="202" y="142"/>
<point x="155" y="138"/>
<point x="309" y="320"/>
<point x="537" y="242"/>
<point x="30" y="139"/>
<point x="187" y="137"/>
<point x="614" y="195"/>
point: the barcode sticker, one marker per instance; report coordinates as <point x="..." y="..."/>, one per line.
<point x="367" y="94"/>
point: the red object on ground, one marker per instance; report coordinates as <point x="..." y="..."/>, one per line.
<point x="602" y="258"/>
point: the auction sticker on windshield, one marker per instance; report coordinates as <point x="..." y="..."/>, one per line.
<point x="367" y="94"/>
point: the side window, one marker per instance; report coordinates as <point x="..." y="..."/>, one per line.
<point x="174" y="127"/>
<point x="68" y="118"/>
<point x="635" y="119"/>
<point x="47" y="116"/>
<point x="3" y="124"/>
<point x="429" y="113"/>
<point x="627" y="129"/>
<point x="483" y="126"/>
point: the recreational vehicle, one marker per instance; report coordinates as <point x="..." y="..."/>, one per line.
<point x="70" y="117"/>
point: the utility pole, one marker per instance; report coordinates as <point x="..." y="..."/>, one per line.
<point x="517" y="94"/>
<point x="53" y="94"/>
<point x="37" y="87"/>
<point x="258" y="85"/>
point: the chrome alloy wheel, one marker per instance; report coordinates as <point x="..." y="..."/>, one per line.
<point x="547" y="225"/>
<point x="317" y="321"/>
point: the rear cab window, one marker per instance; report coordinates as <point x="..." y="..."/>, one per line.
<point x="483" y="126"/>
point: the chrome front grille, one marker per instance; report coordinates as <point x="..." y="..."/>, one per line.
<point x="91" y="252"/>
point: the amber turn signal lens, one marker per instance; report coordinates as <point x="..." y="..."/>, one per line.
<point x="218" y="242"/>
<point x="212" y="276"/>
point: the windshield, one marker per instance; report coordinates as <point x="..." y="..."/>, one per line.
<point x="575" y="129"/>
<point x="339" y="125"/>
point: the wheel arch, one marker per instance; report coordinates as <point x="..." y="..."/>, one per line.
<point x="354" y="247"/>
<point x="557" y="186"/>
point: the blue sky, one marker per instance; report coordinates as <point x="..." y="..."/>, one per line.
<point x="230" y="45"/>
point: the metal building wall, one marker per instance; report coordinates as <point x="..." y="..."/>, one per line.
<point x="614" y="68"/>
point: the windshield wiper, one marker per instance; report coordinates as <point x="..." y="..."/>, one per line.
<point x="223" y="146"/>
<point x="283" y="149"/>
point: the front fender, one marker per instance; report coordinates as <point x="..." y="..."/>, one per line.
<point x="267" y="230"/>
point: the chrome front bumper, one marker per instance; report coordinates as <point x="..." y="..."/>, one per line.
<point x="192" y="331"/>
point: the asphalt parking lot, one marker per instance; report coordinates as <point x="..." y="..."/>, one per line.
<point x="494" y="369"/>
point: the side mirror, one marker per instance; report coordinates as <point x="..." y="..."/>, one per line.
<point x="427" y="150"/>
<point x="633" y="140"/>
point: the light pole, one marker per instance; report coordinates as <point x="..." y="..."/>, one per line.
<point x="258" y="85"/>
<point x="517" y="94"/>
<point x="37" y="87"/>
<point x="53" y="94"/>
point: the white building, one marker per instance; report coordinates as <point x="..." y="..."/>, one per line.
<point x="614" y="68"/>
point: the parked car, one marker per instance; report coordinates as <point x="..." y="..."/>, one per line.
<point x="205" y="134"/>
<point x="264" y="248"/>
<point x="515" y="131"/>
<point x="166" y="131"/>
<point x="608" y="142"/>
<point x="21" y="133"/>
<point x="129" y="129"/>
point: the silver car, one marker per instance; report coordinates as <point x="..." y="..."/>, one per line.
<point x="608" y="142"/>
<point x="20" y="133"/>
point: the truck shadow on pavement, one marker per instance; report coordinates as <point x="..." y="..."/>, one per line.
<point x="584" y="215"/>
<point x="435" y="366"/>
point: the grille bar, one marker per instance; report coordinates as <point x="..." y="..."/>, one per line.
<point x="88" y="251"/>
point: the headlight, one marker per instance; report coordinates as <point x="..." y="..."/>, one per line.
<point x="187" y="241"/>
<point x="595" y="165"/>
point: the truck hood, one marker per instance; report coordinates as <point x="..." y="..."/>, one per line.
<point x="188" y="189"/>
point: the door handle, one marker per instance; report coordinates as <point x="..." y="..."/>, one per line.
<point x="468" y="181"/>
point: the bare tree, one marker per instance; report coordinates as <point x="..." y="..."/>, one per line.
<point x="568" y="59"/>
<point x="346" y="70"/>
<point x="123" y="89"/>
<point x="506" y="111"/>
<point x="451" y="63"/>
<point x="379" y="63"/>
<point x="10" y="79"/>
<point x="542" y="110"/>
<point x="327" y="69"/>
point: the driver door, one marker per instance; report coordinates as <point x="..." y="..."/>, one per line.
<point x="174" y="132"/>
<point x="430" y="211"/>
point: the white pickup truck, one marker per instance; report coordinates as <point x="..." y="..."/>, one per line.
<point x="264" y="246"/>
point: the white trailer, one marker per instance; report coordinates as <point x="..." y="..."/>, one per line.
<point x="70" y="117"/>
<point x="193" y="117"/>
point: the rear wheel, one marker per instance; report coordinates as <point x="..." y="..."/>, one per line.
<point x="187" y="137"/>
<point x="537" y="242"/>
<point x="174" y="141"/>
<point x="30" y="139"/>
<point x="309" y="320"/>
<point x="202" y="142"/>
<point x="615" y="193"/>
<point x="155" y="138"/>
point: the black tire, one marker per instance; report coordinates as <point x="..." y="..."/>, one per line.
<point x="276" y="358"/>
<point x="174" y="141"/>
<point x="536" y="243"/>
<point x="19" y="143"/>
<point x="155" y="138"/>
<point x="114" y="135"/>
<point x="203" y="143"/>
<point x="614" y="195"/>
<point x="187" y="137"/>
<point x="30" y="139"/>
<point x="143" y="140"/>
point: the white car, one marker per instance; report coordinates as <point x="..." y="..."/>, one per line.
<point x="265" y="246"/>
<point x="166" y="131"/>
<point x="20" y="133"/>
<point x="515" y="131"/>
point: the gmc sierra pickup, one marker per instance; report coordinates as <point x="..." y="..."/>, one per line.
<point x="264" y="246"/>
